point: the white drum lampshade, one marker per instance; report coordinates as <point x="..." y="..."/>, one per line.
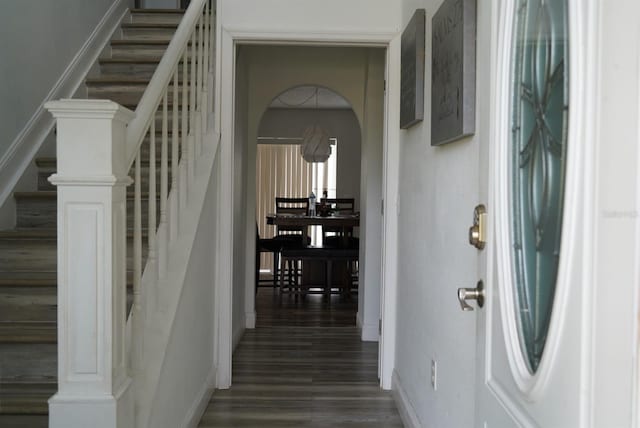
<point x="315" y="144"/>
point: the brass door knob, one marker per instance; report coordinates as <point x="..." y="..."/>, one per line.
<point x="476" y="294"/>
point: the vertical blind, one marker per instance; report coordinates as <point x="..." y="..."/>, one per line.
<point x="282" y="172"/>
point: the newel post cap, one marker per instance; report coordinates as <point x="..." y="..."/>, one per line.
<point x="89" y="109"/>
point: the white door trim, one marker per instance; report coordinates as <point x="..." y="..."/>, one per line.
<point x="227" y="40"/>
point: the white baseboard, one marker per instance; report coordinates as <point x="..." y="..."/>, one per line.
<point x="370" y="333"/>
<point x="194" y="415"/>
<point x="250" y="320"/>
<point x="25" y="146"/>
<point x="237" y="336"/>
<point x="405" y="408"/>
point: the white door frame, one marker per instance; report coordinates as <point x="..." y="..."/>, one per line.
<point x="226" y="42"/>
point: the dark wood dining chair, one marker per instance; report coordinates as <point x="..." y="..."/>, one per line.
<point x="290" y="237"/>
<point x="333" y="236"/>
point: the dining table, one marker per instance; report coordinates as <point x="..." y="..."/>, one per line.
<point x="334" y="220"/>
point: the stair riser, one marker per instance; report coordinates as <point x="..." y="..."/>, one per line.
<point x="128" y="96"/>
<point x="140" y="51"/>
<point x="39" y="256"/>
<point x="42" y="213"/>
<point x="29" y="362"/>
<point x="155" y="18"/>
<point x="38" y="213"/>
<point x="45" y="185"/>
<point x="28" y="304"/>
<point x="140" y="70"/>
<point x="148" y="33"/>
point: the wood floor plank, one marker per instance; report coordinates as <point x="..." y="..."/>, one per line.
<point x="303" y="366"/>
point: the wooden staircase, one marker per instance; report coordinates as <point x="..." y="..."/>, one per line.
<point x="28" y="285"/>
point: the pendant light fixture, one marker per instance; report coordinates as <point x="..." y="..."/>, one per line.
<point x="315" y="141"/>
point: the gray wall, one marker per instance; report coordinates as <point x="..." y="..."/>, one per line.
<point x="40" y="38"/>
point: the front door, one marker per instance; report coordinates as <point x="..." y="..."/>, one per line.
<point x="529" y="344"/>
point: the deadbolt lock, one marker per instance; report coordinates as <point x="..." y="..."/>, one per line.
<point x="477" y="232"/>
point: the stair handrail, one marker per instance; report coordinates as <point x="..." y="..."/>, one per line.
<point x="137" y="128"/>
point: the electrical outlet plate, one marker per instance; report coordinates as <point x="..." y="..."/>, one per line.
<point x="434" y="375"/>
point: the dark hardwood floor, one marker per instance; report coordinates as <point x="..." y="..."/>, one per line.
<point x="303" y="366"/>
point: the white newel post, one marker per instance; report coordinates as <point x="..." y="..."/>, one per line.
<point x="93" y="383"/>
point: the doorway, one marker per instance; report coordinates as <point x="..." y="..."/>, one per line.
<point x="261" y="73"/>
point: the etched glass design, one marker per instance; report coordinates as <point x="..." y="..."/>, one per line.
<point x="537" y="164"/>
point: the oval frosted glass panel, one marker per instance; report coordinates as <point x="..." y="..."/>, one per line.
<point x="537" y="164"/>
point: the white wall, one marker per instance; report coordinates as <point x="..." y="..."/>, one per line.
<point x="291" y="16"/>
<point x="341" y="124"/>
<point x="35" y="65"/>
<point x="241" y="214"/>
<point x="371" y="191"/>
<point x="40" y="39"/>
<point x="438" y="190"/>
<point x="188" y="367"/>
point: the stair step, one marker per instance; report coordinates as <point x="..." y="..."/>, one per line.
<point x="139" y="67"/>
<point x="28" y="304"/>
<point x="30" y="419"/>
<point x="126" y="94"/>
<point x="28" y="332"/>
<point x="142" y="48"/>
<point x="158" y="31"/>
<point x="28" y="234"/>
<point x="27" y="279"/>
<point x="36" y="209"/>
<point x="29" y="362"/>
<point x="25" y="398"/>
<point x="157" y="15"/>
<point x="25" y="255"/>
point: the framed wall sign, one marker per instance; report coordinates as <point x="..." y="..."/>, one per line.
<point x="412" y="71"/>
<point x="453" y="71"/>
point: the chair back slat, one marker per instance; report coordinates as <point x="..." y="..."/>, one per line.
<point x="291" y="206"/>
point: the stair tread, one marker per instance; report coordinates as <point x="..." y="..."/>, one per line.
<point x="29" y="233"/>
<point x="43" y="194"/>
<point x="28" y="279"/>
<point x="28" y="332"/>
<point x="160" y="25"/>
<point x="159" y="11"/>
<point x="130" y="60"/>
<point x="106" y="79"/>
<point x="134" y="41"/>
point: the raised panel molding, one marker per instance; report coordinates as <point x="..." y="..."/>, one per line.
<point x="84" y="288"/>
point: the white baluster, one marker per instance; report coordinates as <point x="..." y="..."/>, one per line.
<point x="92" y="239"/>
<point x="184" y="170"/>
<point x="151" y="252"/>
<point x="199" y="87"/>
<point x="138" y="311"/>
<point x="164" y="189"/>
<point x="175" y="142"/>
<point x="192" y="111"/>
<point x="205" y="62"/>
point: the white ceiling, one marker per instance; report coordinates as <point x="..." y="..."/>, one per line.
<point x="310" y="97"/>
